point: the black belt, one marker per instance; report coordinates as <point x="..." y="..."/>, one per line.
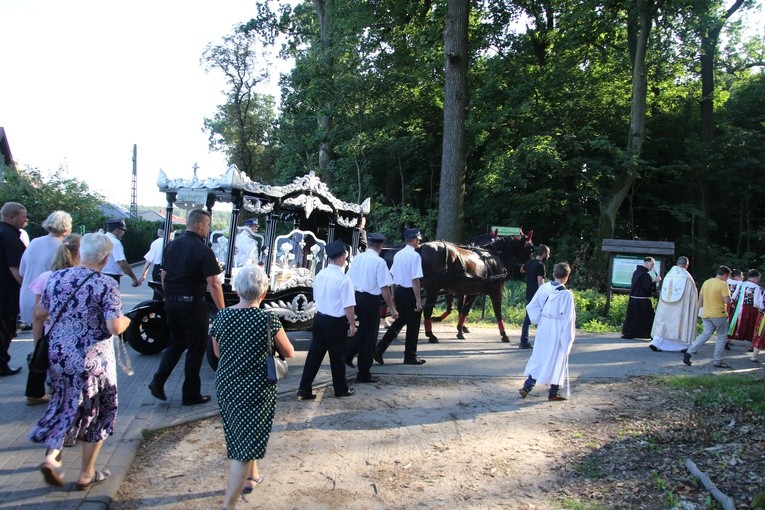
<point x="319" y="314"/>
<point x="184" y="299"/>
<point x="367" y="293"/>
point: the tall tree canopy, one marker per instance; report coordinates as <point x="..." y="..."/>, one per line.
<point x="583" y="120"/>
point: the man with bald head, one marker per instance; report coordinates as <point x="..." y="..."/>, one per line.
<point x="13" y="217"/>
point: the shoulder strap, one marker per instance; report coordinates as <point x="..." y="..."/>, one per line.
<point x="74" y="292"/>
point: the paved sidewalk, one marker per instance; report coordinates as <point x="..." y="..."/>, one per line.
<point x="594" y="357"/>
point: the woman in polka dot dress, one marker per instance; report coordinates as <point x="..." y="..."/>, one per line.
<point x="245" y="396"/>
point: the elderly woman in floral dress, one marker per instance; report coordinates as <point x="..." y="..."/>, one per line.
<point x="82" y="371"/>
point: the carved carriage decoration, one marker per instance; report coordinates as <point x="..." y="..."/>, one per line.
<point x="301" y="218"/>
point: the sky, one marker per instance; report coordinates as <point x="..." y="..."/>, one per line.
<point x="83" y="80"/>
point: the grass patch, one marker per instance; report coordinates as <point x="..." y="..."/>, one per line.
<point x="150" y="434"/>
<point x="589" y="309"/>
<point x="589" y="468"/>
<point x="743" y="391"/>
<point x="575" y="504"/>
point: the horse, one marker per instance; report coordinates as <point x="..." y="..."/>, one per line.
<point x="470" y="271"/>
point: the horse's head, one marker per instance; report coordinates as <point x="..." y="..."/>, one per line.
<point x="514" y="250"/>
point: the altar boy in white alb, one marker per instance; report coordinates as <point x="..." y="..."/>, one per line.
<point x="552" y="309"/>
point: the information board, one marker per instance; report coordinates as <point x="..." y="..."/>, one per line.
<point x="624" y="265"/>
<point x="506" y="231"/>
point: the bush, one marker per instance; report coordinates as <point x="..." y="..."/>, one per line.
<point x="589" y="309"/>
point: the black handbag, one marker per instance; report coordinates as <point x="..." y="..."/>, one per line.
<point x="276" y="365"/>
<point x="40" y="360"/>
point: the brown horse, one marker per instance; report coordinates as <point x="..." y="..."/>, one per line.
<point x="470" y="271"/>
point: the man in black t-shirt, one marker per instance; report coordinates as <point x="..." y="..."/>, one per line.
<point x="13" y="217"/>
<point x="534" y="269"/>
<point x="189" y="269"/>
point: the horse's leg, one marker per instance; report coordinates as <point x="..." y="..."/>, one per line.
<point x="431" y="294"/>
<point x="496" y="301"/>
<point x="448" y="311"/>
<point x="467" y="303"/>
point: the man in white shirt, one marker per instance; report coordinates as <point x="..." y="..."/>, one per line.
<point x="371" y="278"/>
<point x="406" y="271"/>
<point x="117" y="266"/>
<point x="333" y="324"/>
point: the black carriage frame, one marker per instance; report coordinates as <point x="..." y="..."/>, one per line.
<point x="306" y="202"/>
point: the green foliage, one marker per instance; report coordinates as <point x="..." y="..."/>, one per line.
<point x="589" y="305"/>
<point x="140" y="233"/>
<point x="743" y="391"/>
<point x="547" y="123"/>
<point x="43" y="194"/>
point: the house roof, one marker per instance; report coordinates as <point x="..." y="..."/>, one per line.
<point x="5" y="149"/>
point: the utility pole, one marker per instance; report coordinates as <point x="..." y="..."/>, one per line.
<point x="134" y="190"/>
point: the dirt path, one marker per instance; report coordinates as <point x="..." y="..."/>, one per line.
<point x="424" y="443"/>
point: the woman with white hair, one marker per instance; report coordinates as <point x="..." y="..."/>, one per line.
<point x="85" y="308"/>
<point x="245" y="396"/>
<point x="38" y="258"/>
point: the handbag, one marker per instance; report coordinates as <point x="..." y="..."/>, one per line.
<point x="40" y="360"/>
<point x="276" y="365"/>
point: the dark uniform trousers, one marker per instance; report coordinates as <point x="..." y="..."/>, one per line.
<point x="189" y="325"/>
<point x="9" y="310"/>
<point x="363" y="344"/>
<point x="330" y="334"/>
<point x="405" y="304"/>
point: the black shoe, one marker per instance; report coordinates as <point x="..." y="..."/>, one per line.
<point x="6" y="370"/>
<point x="349" y="363"/>
<point x="687" y="358"/>
<point x="305" y="395"/>
<point x="377" y="356"/>
<point x="722" y="364"/>
<point x="524" y="345"/>
<point x="370" y="379"/>
<point x="654" y="348"/>
<point x="202" y="399"/>
<point x="157" y="391"/>
<point x="727" y="347"/>
<point x="347" y="393"/>
<point x="415" y="361"/>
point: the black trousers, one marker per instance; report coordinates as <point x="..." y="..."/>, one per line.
<point x="9" y="311"/>
<point x="363" y="343"/>
<point x="189" y="326"/>
<point x="407" y="316"/>
<point x="330" y="334"/>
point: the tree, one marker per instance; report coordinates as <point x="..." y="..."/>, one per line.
<point x="43" y="194"/>
<point x="452" y="185"/>
<point x="243" y="127"/>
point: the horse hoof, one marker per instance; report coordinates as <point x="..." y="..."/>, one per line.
<point x="465" y="329"/>
<point x="433" y="340"/>
<point x="505" y="339"/>
<point x="460" y="336"/>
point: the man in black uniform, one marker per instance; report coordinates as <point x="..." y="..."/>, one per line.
<point x="535" y="277"/>
<point x="13" y="217"/>
<point x="189" y="268"/>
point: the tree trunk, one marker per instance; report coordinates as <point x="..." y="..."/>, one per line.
<point x="639" y="28"/>
<point x="451" y="213"/>
<point x="710" y="35"/>
<point x="324" y="117"/>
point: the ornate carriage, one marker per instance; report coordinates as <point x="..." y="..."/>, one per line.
<point x="301" y="218"/>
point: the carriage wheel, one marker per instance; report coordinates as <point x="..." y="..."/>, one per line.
<point x="147" y="332"/>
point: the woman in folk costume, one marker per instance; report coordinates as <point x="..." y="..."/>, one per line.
<point x="744" y="317"/>
<point x="734" y="282"/>
<point x="674" y="327"/>
<point x="758" y="337"/>
<point x="552" y="309"/>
